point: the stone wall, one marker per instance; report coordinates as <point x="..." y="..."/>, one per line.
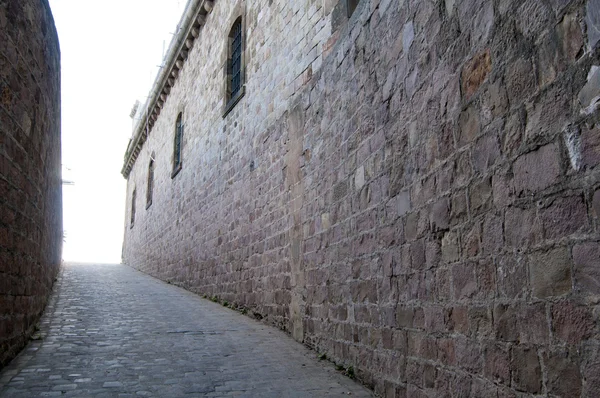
<point x="413" y="191"/>
<point x="30" y="170"/>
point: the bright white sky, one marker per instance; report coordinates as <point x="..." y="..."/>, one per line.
<point x="110" y="54"/>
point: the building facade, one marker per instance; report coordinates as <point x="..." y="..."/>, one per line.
<point x="410" y="187"/>
<point x="30" y="168"/>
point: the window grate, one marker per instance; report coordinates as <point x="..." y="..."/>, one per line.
<point x="133" y="208"/>
<point x="150" y="183"/>
<point x="236" y="59"/>
<point x="352" y="6"/>
<point x="178" y="139"/>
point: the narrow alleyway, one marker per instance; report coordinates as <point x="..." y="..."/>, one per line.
<point x="111" y="331"/>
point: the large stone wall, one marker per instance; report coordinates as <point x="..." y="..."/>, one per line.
<point x="30" y="171"/>
<point x="414" y="191"/>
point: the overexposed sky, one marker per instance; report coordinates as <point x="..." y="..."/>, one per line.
<point x="110" y="53"/>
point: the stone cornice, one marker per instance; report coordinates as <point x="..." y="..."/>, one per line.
<point x="193" y="20"/>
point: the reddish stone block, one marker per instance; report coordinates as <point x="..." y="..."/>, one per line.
<point x="475" y="71"/>
<point x="590" y="147"/>
<point x="564" y="216"/>
<point x="586" y="258"/>
<point x="571" y="323"/>
<point x="537" y="170"/>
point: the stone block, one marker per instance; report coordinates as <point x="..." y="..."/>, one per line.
<point x="564" y="217"/>
<point x="439" y="217"/>
<point x="590" y="146"/>
<point x="512" y="277"/>
<point x="506" y="323"/>
<point x="475" y="71"/>
<point x="592" y="21"/>
<point x="403" y="203"/>
<point x="586" y="258"/>
<point x="537" y="170"/>
<point x="522" y="227"/>
<point x="493" y="234"/>
<point x="563" y="375"/>
<point x="550" y="273"/>
<point x="526" y="370"/>
<point x="532" y="17"/>
<point x="497" y="363"/>
<point x="469" y="125"/>
<point x="571" y="323"/>
<point x="533" y="325"/>
<point x="480" y="196"/>
<point x="464" y="281"/>
<point x="520" y="80"/>
<point x="486" y="152"/>
<point x="450" y="248"/>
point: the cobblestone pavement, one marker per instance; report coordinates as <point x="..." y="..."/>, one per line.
<point x="110" y="331"/>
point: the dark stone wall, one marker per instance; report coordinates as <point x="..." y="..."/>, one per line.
<point x="425" y="207"/>
<point x="30" y="168"/>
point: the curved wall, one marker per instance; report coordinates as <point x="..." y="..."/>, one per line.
<point x="413" y="191"/>
<point x="30" y="168"/>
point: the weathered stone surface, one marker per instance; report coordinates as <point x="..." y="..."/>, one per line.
<point x="586" y="258"/>
<point x="526" y="370"/>
<point x="475" y="72"/>
<point x="565" y="216"/>
<point x="564" y="378"/>
<point x="593" y="22"/>
<point x="537" y="170"/>
<point x="591" y="91"/>
<point x="570" y="323"/>
<point x="590" y="146"/>
<point x="415" y="210"/>
<point x="550" y="273"/>
<point x="596" y="203"/>
<point x="30" y="168"/>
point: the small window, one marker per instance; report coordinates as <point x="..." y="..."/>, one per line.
<point x="177" y="145"/>
<point x="352" y="6"/>
<point x="235" y="65"/>
<point x="236" y="58"/>
<point x="132" y="208"/>
<point x="150" y="183"/>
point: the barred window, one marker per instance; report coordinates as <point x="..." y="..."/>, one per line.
<point x="132" y="208"/>
<point x="236" y="58"/>
<point x="177" y="145"/>
<point x="150" y="183"/>
<point x="352" y="6"/>
<point x="234" y="79"/>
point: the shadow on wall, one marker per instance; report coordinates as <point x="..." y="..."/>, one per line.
<point x="30" y="176"/>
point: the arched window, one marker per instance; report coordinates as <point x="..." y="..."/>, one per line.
<point x="133" y="195"/>
<point x="177" y="145"/>
<point x="235" y="65"/>
<point x="150" y="182"/>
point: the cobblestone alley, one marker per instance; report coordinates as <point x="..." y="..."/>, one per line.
<point x="110" y="331"/>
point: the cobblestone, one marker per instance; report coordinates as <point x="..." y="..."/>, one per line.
<point x="110" y="331"/>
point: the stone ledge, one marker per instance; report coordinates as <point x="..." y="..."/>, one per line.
<point x="193" y="19"/>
